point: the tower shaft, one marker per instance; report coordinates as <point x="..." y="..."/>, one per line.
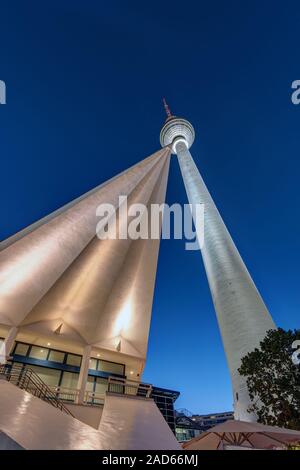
<point x="242" y="315"/>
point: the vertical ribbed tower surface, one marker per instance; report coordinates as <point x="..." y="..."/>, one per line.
<point x="242" y="315"/>
<point x="57" y="275"/>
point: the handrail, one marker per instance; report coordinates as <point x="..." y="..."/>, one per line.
<point x="70" y="395"/>
<point x="93" y="398"/>
<point x="26" y="379"/>
<point x="129" y="387"/>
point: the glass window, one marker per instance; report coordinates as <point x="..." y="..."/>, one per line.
<point x="49" y="376"/>
<point x="56" y="356"/>
<point x="101" y="385"/>
<point x="69" y="380"/>
<point x="73" y="360"/>
<point x="112" y="367"/>
<point x="93" y="364"/>
<point x="38" y="352"/>
<point x="90" y="383"/>
<point x="21" y="349"/>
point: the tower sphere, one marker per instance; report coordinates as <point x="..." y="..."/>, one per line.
<point x="177" y="130"/>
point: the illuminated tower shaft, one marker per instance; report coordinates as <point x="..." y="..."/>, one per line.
<point x="242" y="315"/>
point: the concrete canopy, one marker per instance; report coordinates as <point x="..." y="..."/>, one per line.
<point x="57" y="276"/>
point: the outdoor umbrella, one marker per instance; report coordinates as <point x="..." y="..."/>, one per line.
<point x="245" y="435"/>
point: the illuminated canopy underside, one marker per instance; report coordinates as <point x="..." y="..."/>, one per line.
<point x="57" y="272"/>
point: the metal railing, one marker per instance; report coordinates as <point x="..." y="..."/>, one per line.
<point x="114" y="385"/>
<point x="26" y="379"/>
<point x="70" y="395"/>
<point x="129" y="387"/>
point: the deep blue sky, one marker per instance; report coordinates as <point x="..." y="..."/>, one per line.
<point x="77" y="71"/>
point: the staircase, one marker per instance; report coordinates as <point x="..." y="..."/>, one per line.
<point x="26" y="379"/>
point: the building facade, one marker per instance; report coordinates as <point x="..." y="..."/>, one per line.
<point x="190" y="425"/>
<point x="60" y="370"/>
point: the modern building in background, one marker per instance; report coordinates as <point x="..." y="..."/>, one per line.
<point x="208" y="421"/>
<point x="242" y="315"/>
<point x="189" y="425"/>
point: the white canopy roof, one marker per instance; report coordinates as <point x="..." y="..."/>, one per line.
<point x="56" y="274"/>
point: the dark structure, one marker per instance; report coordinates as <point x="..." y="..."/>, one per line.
<point x="164" y="400"/>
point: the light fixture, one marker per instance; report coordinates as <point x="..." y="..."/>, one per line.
<point x="98" y="355"/>
<point x="131" y="372"/>
<point x="58" y="330"/>
<point x="48" y="344"/>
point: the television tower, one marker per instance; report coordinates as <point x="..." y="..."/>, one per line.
<point x="242" y="315"/>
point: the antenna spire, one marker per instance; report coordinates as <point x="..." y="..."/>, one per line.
<point x="167" y="109"/>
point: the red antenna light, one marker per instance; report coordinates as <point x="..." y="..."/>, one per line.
<point x="167" y="109"/>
